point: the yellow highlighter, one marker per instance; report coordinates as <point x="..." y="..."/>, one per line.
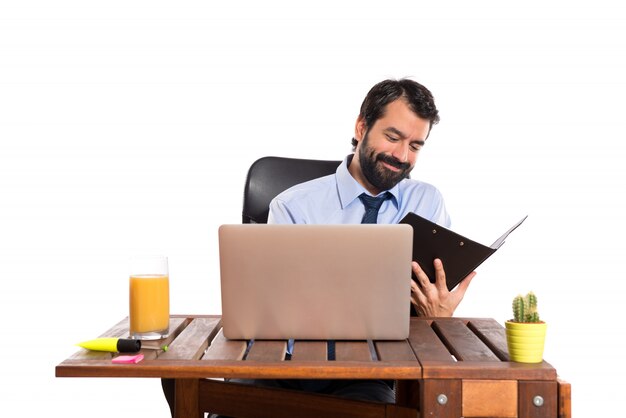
<point x="112" y="345"/>
<point x="117" y="345"/>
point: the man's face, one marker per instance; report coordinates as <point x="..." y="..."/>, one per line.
<point x="387" y="151"/>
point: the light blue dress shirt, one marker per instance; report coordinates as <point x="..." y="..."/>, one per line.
<point x="334" y="199"/>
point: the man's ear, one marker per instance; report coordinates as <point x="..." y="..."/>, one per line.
<point x="360" y="128"/>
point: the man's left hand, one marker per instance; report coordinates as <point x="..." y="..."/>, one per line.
<point x="434" y="299"/>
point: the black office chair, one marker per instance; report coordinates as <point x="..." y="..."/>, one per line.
<point x="269" y="176"/>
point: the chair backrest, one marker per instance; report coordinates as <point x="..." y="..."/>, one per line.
<point x="269" y="176"/>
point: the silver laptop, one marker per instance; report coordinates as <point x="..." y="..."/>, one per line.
<point x="312" y="282"/>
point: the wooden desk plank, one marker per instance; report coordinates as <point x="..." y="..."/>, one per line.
<point x="184" y="369"/>
<point x="352" y="351"/>
<point x="492" y="333"/>
<point x="501" y="370"/>
<point x="309" y="351"/>
<point x="394" y="351"/>
<point x="426" y="344"/>
<point x="267" y="351"/>
<point x="462" y="342"/>
<point x="193" y="340"/>
<point x="177" y="325"/>
<point x="222" y="349"/>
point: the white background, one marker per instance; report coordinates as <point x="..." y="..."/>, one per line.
<point x="127" y="128"/>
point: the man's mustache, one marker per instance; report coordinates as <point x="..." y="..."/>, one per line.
<point x="393" y="161"/>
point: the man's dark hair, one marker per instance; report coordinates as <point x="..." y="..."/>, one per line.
<point x="418" y="97"/>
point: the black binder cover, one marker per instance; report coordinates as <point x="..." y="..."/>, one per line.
<point x="460" y="255"/>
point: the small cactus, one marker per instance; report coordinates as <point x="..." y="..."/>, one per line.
<point x="525" y="308"/>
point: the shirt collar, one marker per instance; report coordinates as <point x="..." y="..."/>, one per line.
<point x="349" y="189"/>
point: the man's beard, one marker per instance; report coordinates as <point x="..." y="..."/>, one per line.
<point x="376" y="173"/>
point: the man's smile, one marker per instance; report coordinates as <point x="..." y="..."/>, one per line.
<point x="390" y="167"/>
<point x="392" y="163"/>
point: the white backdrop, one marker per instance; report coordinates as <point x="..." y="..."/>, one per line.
<point x="127" y="127"/>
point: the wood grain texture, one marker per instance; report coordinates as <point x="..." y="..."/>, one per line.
<point x="487" y="370"/>
<point x="426" y="344"/>
<point x="267" y="351"/>
<point x="394" y="351"/>
<point x="462" y="342"/>
<point x="309" y="351"/>
<point x="432" y="389"/>
<point x="565" y="398"/>
<point x="493" y="334"/>
<point x="528" y="390"/>
<point x="193" y="340"/>
<point x="352" y="351"/>
<point x="221" y="348"/>
<point x="489" y="398"/>
<point x="186" y="394"/>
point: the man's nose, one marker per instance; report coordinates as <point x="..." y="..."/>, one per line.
<point x="401" y="151"/>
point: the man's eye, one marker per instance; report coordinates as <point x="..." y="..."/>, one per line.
<point x="392" y="139"/>
<point x="415" y="147"/>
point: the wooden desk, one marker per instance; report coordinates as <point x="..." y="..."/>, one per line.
<point x="448" y="367"/>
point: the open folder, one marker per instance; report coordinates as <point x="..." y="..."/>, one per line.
<point x="460" y="255"/>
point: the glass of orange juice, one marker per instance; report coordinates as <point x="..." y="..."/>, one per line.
<point x="149" y="300"/>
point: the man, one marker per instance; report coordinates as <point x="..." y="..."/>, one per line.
<point x="392" y="127"/>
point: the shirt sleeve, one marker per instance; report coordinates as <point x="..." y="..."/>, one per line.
<point x="280" y="213"/>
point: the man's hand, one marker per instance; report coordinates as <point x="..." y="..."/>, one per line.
<point x="435" y="299"/>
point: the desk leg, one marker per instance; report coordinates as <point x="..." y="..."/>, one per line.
<point x="441" y="398"/>
<point x="407" y="393"/>
<point x="565" y="399"/>
<point x="186" y="404"/>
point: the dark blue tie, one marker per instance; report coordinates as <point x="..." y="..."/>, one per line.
<point x="372" y="206"/>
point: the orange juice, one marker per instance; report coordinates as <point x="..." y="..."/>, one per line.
<point x="149" y="305"/>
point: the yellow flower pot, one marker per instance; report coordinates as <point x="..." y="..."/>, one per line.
<point x="525" y="341"/>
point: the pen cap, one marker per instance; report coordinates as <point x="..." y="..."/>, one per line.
<point x="125" y="345"/>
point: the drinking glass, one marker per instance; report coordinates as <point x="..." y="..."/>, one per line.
<point x="149" y="300"/>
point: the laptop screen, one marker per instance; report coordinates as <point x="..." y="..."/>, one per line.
<point x="344" y="282"/>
